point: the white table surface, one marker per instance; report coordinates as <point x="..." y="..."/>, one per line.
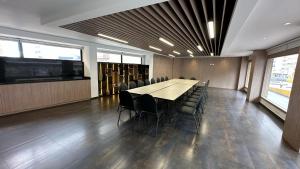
<point x="168" y="90"/>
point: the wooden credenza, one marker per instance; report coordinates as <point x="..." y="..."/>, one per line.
<point x="16" y="98"/>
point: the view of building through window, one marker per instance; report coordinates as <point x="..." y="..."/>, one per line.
<point x="118" y="58"/>
<point x="132" y="59"/>
<point x="108" y="57"/>
<point x="280" y="80"/>
<point x="9" y="48"/>
<point x="39" y="51"/>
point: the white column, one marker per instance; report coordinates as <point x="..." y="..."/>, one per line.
<point x="91" y="68"/>
<point x="149" y="61"/>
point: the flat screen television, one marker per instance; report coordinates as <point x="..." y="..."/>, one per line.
<point x="26" y="70"/>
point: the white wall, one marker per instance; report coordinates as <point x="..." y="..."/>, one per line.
<point x="19" y="24"/>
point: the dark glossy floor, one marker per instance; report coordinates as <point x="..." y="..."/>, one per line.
<point x="234" y="134"/>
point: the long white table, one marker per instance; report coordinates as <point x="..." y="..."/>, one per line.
<point x="167" y="90"/>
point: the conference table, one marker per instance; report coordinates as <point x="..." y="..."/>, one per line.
<point x="168" y="90"/>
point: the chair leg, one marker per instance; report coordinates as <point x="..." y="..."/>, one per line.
<point x="130" y="114"/>
<point x="196" y="124"/>
<point x="157" y="121"/>
<point x="120" y="111"/>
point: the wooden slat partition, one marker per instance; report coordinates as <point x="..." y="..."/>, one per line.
<point x="16" y="98"/>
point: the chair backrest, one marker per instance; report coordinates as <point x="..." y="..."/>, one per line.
<point x="126" y="100"/>
<point x="140" y="83"/>
<point x="181" y="77"/>
<point x="148" y="103"/>
<point x="162" y="79"/>
<point x="132" y="85"/>
<point x="166" y="78"/>
<point x="193" y="78"/>
<point x="153" y="81"/>
<point x="158" y="80"/>
<point x="207" y="83"/>
<point x="147" y="82"/>
<point x="122" y="87"/>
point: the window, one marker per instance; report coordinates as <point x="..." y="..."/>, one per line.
<point x="248" y="74"/>
<point x="40" y="51"/>
<point x="108" y="57"/>
<point x="132" y="59"/>
<point x="279" y="80"/>
<point x="9" y="48"/>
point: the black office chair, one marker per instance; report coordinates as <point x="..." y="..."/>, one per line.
<point x="122" y="87"/>
<point x="158" y="80"/>
<point x="147" y="82"/>
<point x="153" y="81"/>
<point x="181" y="77"/>
<point x="191" y="109"/>
<point x="132" y="85"/>
<point x="166" y="78"/>
<point x="140" y="83"/>
<point x="162" y="79"/>
<point x="193" y="78"/>
<point x="125" y="103"/>
<point x="148" y="105"/>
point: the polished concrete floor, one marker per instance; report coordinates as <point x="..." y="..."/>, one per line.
<point x="233" y="134"/>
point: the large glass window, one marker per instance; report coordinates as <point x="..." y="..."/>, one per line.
<point x="279" y="80"/>
<point x="248" y="74"/>
<point x="40" y="51"/>
<point x="108" y="57"/>
<point x="132" y="59"/>
<point x="9" y="48"/>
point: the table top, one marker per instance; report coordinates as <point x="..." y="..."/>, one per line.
<point x="168" y="90"/>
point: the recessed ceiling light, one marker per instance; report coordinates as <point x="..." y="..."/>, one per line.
<point x="265" y="38"/>
<point x="211" y="29"/>
<point x="288" y="23"/>
<point x="190" y="52"/>
<point x="112" y="38"/>
<point x="191" y="55"/>
<point x="176" y="52"/>
<point x="166" y="42"/>
<point x="171" y="55"/>
<point x="211" y="54"/>
<point x="200" y="48"/>
<point x="155" y="48"/>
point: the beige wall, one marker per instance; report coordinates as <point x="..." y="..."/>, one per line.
<point x="224" y="73"/>
<point x="258" y="66"/>
<point x="162" y="66"/>
<point x="243" y="73"/>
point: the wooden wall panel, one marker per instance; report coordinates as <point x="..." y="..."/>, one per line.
<point x="17" y="98"/>
<point x="162" y="66"/>
<point x="224" y="73"/>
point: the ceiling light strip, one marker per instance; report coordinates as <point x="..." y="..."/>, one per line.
<point x="112" y="38"/>
<point x="211" y="29"/>
<point x="166" y="41"/>
<point x="200" y="48"/>
<point x="176" y="52"/>
<point x="155" y="48"/>
<point x="190" y="52"/>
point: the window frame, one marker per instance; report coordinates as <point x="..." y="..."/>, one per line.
<point x="21" y="41"/>
<point x="267" y="77"/>
<point x="21" y="51"/>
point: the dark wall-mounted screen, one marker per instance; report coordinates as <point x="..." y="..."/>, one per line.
<point x="20" y="69"/>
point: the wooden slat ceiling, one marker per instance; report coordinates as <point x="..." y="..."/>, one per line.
<point x="182" y="22"/>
